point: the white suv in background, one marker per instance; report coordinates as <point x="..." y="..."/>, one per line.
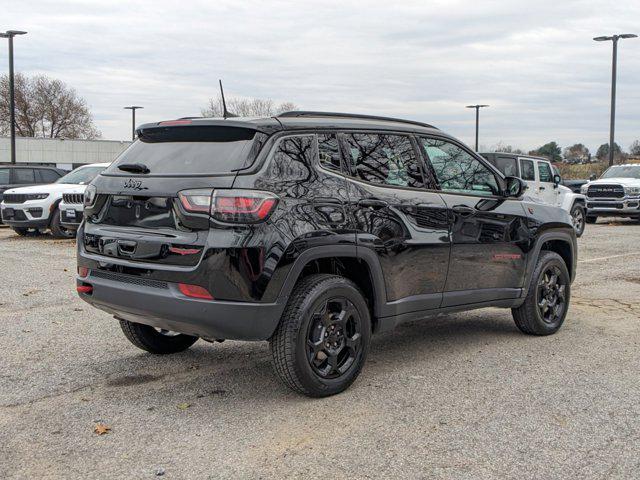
<point x="36" y="207"/>
<point x="615" y="194"/>
<point x="71" y="208"/>
<point x="543" y="184"/>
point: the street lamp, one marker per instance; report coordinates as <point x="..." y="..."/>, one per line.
<point x="477" y="107"/>
<point x="12" y="104"/>
<point x="614" y="39"/>
<point x="133" y="109"/>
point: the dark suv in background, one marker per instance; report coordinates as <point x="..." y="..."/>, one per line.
<point x="313" y="231"/>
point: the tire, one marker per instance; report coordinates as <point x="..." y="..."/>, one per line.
<point x="298" y="346"/>
<point x="149" y="339"/>
<point x="578" y="215"/>
<point x="21" y="231"/>
<point x="529" y="317"/>
<point x="591" y="219"/>
<point x="57" y="230"/>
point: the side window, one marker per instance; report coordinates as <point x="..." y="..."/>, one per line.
<point x="528" y="172"/>
<point x="47" y="176"/>
<point x="457" y="170"/>
<point x="23" y="175"/>
<point x="329" y="152"/>
<point x="545" y="172"/>
<point x="384" y="159"/>
<point x="292" y="159"/>
<point x="508" y="166"/>
<point x="4" y="176"/>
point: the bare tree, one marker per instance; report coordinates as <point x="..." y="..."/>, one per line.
<point x="45" y="107"/>
<point x="246" y="107"/>
<point x="634" y="148"/>
<point x="501" y="147"/>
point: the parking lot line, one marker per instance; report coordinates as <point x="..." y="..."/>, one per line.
<point x="598" y="259"/>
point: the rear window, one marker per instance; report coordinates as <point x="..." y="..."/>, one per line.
<point x="192" y="150"/>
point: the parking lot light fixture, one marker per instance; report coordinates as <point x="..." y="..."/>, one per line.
<point x="614" y="61"/>
<point x="9" y="34"/>
<point x="477" y="107"/>
<point x="133" y="109"/>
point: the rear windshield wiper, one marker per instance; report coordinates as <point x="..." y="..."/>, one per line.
<point x="134" y="167"/>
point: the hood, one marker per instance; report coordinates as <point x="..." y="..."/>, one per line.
<point x="625" y="182"/>
<point x="563" y="189"/>
<point x="50" y="188"/>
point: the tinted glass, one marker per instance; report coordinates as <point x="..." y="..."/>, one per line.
<point x="527" y="170"/>
<point x="292" y="159"/>
<point x="544" y="171"/>
<point x="23" y="175"/>
<point x="48" y="176"/>
<point x="384" y="159"/>
<point x="4" y="176"/>
<point x="508" y="166"/>
<point x="191" y="150"/>
<point x="622" y="171"/>
<point x="457" y="170"/>
<point x="329" y="152"/>
<point x="81" y="176"/>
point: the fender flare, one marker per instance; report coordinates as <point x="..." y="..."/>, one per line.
<point x="351" y="251"/>
<point x="550" y="235"/>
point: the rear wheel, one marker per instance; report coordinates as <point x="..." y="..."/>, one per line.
<point x="322" y="340"/>
<point x="20" y="231"/>
<point x="547" y="301"/>
<point x="155" y="340"/>
<point x="591" y="219"/>
<point x="578" y="218"/>
<point x="57" y="230"/>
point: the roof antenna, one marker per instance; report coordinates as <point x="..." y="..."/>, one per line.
<point x="225" y="113"/>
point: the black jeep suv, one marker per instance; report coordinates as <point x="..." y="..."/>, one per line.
<point x="313" y="231"/>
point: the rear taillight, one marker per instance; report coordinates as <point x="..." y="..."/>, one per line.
<point x="242" y="206"/>
<point x="196" y="201"/>
<point x="230" y="206"/>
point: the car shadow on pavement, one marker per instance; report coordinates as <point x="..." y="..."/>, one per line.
<point x="243" y="369"/>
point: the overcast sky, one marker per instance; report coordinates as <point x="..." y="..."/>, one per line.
<point x="535" y="63"/>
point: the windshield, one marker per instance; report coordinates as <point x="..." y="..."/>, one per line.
<point x="81" y="176"/>
<point x="622" y="171"/>
<point x="193" y="150"/>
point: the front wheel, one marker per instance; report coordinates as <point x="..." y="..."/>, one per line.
<point x="155" y="340"/>
<point x="323" y="337"/>
<point x="57" y="230"/>
<point x="547" y="301"/>
<point x="578" y="219"/>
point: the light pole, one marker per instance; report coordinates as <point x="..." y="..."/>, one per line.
<point x="477" y="107"/>
<point x="12" y="104"/>
<point x="133" y="109"/>
<point x="614" y="39"/>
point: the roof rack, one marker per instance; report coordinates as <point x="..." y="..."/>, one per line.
<point x="301" y="113"/>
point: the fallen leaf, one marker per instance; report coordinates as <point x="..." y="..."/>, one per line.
<point x="101" y="428"/>
<point x="183" y="406"/>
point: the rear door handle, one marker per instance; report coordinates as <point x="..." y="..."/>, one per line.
<point x="463" y="210"/>
<point x="372" y="203"/>
<point x="542" y="188"/>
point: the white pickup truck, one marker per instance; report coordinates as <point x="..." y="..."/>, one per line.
<point x="543" y="182"/>
<point x="615" y="194"/>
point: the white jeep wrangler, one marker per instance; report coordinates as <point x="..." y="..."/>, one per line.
<point x="543" y="181"/>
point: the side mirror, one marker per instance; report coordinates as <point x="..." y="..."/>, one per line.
<point x="592" y="177"/>
<point x="557" y="179"/>
<point x="515" y="187"/>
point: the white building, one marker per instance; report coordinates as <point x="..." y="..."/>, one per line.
<point x="61" y="153"/>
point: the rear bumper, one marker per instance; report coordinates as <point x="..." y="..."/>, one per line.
<point x="162" y="305"/>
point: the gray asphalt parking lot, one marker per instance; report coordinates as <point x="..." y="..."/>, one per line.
<point x="458" y="396"/>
